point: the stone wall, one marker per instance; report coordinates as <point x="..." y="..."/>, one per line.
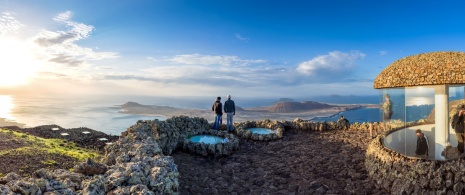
<point x="171" y="133"/>
<point x="304" y="125"/>
<point x="134" y="165"/>
<point x="241" y="129"/>
<point x="400" y="174"/>
<point x="217" y="150"/>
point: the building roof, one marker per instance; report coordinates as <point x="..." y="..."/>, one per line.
<point x="435" y="68"/>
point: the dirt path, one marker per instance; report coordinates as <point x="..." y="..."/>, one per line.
<point x="303" y="162"/>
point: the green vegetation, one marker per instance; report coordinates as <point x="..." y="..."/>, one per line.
<point x="32" y="144"/>
<point x="49" y="162"/>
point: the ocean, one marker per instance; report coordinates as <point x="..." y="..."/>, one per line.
<point x="101" y="113"/>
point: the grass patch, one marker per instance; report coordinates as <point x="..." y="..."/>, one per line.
<point x="51" y="146"/>
<point x="49" y="162"/>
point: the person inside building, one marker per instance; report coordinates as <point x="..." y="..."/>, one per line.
<point x="422" y="144"/>
<point x="458" y="126"/>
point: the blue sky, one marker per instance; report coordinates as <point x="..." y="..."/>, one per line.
<point x="211" y="48"/>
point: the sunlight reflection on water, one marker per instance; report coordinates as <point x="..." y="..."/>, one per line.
<point x="6" y="105"/>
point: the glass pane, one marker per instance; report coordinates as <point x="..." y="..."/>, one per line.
<point x="420" y="122"/>
<point x="456" y="97"/>
<point x="392" y="112"/>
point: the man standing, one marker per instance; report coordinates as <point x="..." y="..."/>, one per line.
<point x="343" y="123"/>
<point x="230" y="109"/>
<point x="458" y="126"/>
<point x="422" y="144"/>
<point x="387" y="111"/>
<point x="216" y="108"/>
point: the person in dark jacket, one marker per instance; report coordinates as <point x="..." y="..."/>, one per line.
<point x="230" y="110"/>
<point x="458" y="126"/>
<point x="218" y="112"/>
<point x="343" y="123"/>
<point x="422" y="144"/>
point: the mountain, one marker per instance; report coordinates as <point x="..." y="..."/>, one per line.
<point x="288" y="107"/>
<point x="131" y="104"/>
<point x="452" y="109"/>
<point x="285" y="100"/>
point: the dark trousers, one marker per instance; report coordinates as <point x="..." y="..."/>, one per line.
<point x="460" y="139"/>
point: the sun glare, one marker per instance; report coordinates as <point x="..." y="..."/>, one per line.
<point x="6" y="105"/>
<point x="17" y="64"/>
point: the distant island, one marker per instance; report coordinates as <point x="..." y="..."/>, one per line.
<point x="284" y="109"/>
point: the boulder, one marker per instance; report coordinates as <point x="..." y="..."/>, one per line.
<point x="90" y="168"/>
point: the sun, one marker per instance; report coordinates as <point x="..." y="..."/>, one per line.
<point x="17" y="64"/>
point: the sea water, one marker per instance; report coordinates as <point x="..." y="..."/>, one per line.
<point x="101" y="112"/>
<point x="93" y="113"/>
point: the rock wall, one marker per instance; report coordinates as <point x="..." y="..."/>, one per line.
<point x="400" y="174"/>
<point x="171" y="133"/>
<point x="241" y="129"/>
<point x="134" y="164"/>
<point x="217" y="150"/>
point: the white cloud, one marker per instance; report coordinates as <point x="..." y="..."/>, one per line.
<point x="59" y="46"/>
<point x="77" y="31"/>
<point x="8" y="23"/>
<point x="334" y="62"/>
<point x="151" y="59"/>
<point x="382" y="53"/>
<point x="241" y="38"/>
<point x="64" y="16"/>
<point x="197" y="59"/>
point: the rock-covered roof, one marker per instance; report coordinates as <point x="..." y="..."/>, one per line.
<point x="433" y="68"/>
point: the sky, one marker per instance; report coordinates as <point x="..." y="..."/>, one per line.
<point x="261" y="48"/>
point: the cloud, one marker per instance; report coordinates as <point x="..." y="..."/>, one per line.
<point x="198" y="59"/>
<point x="241" y="38"/>
<point x="77" y="31"/>
<point x="332" y="63"/>
<point x="69" y="60"/>
<point x="382" y="53"/>
<point x="151" y="59"/>
<point x="8" y="23"/>
<point x="59" y="46"/>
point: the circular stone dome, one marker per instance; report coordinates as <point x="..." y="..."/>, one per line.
<point x="433" y="68"/>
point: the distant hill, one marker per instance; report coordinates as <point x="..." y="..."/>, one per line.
<point x="132" y="104"/>
<point x="452" y="109"/>
<point x="286" y="100"/>
<point x="287" y="107"/>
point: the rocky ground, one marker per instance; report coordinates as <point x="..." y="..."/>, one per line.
<point x="76" y="135"/>
<point x="26" y="153"/>
<point x="302" y="162"/>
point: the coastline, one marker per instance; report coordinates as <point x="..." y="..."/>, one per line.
<point x="242" y="114"/>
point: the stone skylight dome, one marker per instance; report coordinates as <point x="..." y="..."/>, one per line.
<point x="435" y="68"/>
